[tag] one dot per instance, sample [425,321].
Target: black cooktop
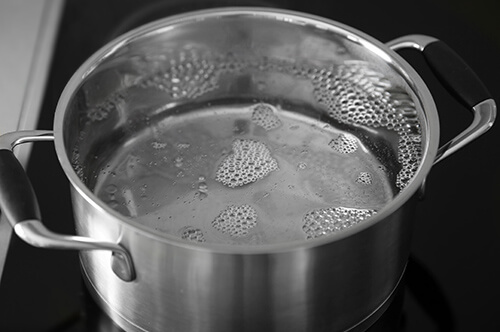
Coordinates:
[452,279]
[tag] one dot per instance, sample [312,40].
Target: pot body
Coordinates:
[331,287]
[327,284]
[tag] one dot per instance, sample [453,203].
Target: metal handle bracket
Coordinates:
[460,81]
[19,203]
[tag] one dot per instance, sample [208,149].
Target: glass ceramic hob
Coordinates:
[451,281]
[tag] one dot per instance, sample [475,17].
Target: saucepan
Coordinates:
[245,169]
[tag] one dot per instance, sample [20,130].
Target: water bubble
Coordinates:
[409,155]
[250,161]
[322,222]
[344,144]
[183,146]
[364,178]
[201,195]
[264,115]
[187,75]
[302,166]
[179,162]
[202,186]
[236,220]
[158,145]
[192,234]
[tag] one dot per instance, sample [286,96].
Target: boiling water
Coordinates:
[244,174]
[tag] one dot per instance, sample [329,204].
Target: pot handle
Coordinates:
[461,82]
[19,204]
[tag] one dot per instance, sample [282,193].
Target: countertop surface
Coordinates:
[28,31]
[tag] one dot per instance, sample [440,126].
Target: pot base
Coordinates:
[376,321]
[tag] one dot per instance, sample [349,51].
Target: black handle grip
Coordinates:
[17,197]
[455,74]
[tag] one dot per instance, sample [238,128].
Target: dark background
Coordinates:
[454,273]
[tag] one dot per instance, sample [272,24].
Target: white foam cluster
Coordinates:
[187,75]
[344,144]
[409,155]
[249,161]
[364,178]
[264,115]
[193,234]
[236,220]
[357,95]
[322,222]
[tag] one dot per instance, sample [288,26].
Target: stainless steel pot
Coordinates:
[148,280]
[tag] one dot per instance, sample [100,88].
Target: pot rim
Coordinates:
[430,135]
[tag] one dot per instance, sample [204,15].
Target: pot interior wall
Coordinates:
[128,125]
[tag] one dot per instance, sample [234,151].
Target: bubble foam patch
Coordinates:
[192,234]
[322,222]
[357,95]
[236,220]
[344,144]
[250,161]
[364,178]
[264,115]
